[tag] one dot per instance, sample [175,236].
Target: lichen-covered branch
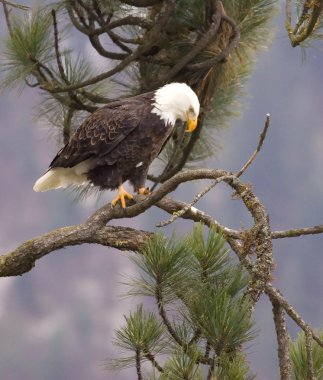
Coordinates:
[276,295]
[306,23]
[285,364]
[23,258]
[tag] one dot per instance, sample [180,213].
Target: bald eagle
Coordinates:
[119,141]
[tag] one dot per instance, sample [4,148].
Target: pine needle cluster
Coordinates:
[300,361]
[202,318]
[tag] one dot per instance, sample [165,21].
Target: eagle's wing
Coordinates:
[99,134]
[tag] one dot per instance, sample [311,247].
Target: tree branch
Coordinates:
[23,258]
[309,353]
[298,232]
[274,294]
[150,39]
[152,359]
[285,364]
[260,143]
[15,5]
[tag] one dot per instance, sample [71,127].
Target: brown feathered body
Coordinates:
[119,141]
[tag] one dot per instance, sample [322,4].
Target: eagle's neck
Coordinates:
[168,116]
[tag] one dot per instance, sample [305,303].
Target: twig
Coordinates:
[15,5]
[196,198]
[277,296]
[67,125]
[41,68]
[57,53]
[285,365]
[172,158]
[130,20]
[170,169]
[197,48]
[309,353]
[288,13]
[95,42]
[149,40]
[153,360]
[222,57]
[162,312]
[260,143]
[172,206]
[7,16]
[138,364]
[297,232]
[32,85]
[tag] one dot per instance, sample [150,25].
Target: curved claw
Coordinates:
[122,196]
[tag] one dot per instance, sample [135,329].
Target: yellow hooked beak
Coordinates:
[191,123]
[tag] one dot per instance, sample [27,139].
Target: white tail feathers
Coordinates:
[59,178]
[63,177]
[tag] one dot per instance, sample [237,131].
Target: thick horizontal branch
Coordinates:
[94,230]
[23,258]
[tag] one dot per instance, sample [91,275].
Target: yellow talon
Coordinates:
[143,191]
[123,194]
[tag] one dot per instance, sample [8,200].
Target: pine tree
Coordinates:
[205,286]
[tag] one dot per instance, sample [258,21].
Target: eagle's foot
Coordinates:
[122,196]
[143,191]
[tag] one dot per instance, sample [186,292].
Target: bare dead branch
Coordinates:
[172,206]
[298,232]
[260,143]
[196,198]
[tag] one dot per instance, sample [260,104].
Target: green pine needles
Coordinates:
[28,45]
[300,360]
[202,318]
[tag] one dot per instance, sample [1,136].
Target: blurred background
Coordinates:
[57,321]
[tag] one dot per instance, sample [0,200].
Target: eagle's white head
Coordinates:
[177,101]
